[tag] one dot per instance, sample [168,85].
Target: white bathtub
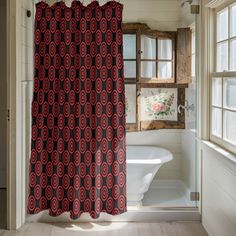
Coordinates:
[143,162]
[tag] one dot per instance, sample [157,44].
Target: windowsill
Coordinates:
[220,150]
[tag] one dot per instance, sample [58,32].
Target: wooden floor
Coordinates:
[110,229]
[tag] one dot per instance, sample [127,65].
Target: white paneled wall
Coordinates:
[169,139]
[218,191]
[188,165]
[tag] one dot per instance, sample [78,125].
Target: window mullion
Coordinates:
[229,61]
[157,58]
[222,108]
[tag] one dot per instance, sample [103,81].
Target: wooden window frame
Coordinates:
[221,141]
[140,29]
[159,35]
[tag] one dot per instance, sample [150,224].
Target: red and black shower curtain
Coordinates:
[77,161]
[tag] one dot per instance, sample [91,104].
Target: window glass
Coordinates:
[148,47]
[233,54]
[129,42]
[130,69]
[222,56]
[222,25]
[216,121]
[230,126]
[148,69]
[233,20]
[164,70]
[164,49]
[230,93]
[217,92]
[130,103]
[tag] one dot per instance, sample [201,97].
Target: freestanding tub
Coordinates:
[143,162]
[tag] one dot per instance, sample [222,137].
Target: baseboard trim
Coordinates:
[138,215]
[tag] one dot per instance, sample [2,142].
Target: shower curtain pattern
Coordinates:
[77,161]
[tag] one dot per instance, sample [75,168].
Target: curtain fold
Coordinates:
[78,153]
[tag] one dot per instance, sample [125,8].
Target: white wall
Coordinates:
[3,95]
[169,139]
[218,191]
[158,14]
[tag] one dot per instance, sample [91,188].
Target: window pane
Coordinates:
[148,69]
[230,93]
[130,103]
[233,21]
[222,56]
[164,70]
[130,69]
[217,92]
[129,42]
[164,49]
[233,55]
[230,126]
[222,25]
[148,47]
[216,121]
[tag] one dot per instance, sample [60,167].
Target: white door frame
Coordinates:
[15,161]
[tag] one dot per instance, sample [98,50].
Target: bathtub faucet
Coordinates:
[186,107]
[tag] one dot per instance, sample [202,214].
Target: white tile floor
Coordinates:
[168,197]
[108,229]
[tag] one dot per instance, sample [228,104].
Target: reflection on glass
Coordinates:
[222,57]
[232,21]
[129,42]
[217,92]
[233,55]
[164,70]
[222,25]
[230,93]
[148,47]
[193,70]
[130,69]
[148,69]
[164,49]
[230,126]
[193,42]
[216,121]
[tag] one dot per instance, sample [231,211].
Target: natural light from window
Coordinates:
[223,82]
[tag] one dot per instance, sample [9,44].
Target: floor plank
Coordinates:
[109,228]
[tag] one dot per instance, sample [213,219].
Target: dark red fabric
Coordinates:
[77,161]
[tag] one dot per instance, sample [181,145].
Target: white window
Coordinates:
[223,80]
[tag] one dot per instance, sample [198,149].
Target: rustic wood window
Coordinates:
[153,91]
[157,57]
